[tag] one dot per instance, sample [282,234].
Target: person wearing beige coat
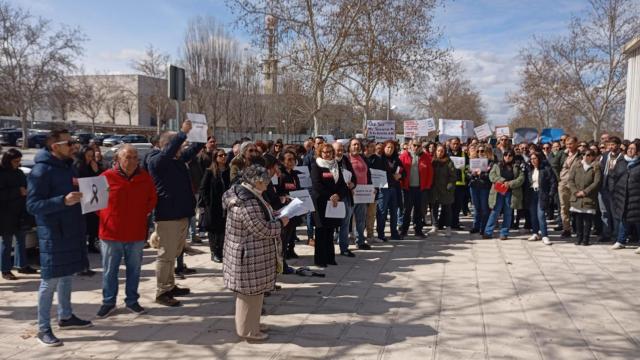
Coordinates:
[584,184]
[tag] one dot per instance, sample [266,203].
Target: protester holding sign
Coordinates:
[214,183]
[350,179]
[442,191]
[363,177]
[506,194]
[287,183]
[123,228]
[418,171]
[460,197]
[480,185]
[387,198]
[540,191]
[87,166]
[328,189]
[52,199]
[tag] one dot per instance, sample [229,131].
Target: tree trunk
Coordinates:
[93,125]
[25,130]
[129,119]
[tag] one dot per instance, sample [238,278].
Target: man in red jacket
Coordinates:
[123,228]
[416,183]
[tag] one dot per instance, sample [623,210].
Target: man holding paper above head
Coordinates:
[329,188]
[52,199]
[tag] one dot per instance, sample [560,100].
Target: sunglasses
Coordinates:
[508,155]
[481,151]
[221,155]
[68,143]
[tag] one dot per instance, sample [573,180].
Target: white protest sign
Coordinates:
[503,131]
[305,197]
[346,174]
[426,126]
[95,193]
[337,212]
[274,179]
[381,130]
[455,128]
[483,131]
[410,128]
[364,194]
[198,133]
[378,178]
[478,164]
[304,176]
[294,208]
[458,162]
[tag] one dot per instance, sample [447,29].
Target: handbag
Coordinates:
[501,187]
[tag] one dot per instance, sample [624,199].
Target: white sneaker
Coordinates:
[433,230]
[448,233]
[533,237]
[546,240]
[617,246]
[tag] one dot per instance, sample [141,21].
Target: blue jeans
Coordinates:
[343,233]
[112,254]
[20,252]
[536,213]
[623,230]
[192,227]
[45,299]
[387,202]
[503,202]
[310,226]
[400,200]
[360,212]
[480,200]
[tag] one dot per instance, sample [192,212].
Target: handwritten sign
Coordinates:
[462,129]
[426,126]
[381,130]
[95,193]
[410,128]
[305,197]
[458,162]
[364,194]
[378,178]
[198,133]
[304,176]
[483,131]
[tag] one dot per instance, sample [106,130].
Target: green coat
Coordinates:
[587,181]
[444,183]
[516,186]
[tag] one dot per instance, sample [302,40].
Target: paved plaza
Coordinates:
[437,298]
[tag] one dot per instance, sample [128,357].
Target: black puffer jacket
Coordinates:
[547,184]
[13,203]
[625,185]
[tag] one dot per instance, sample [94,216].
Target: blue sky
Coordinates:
[486,35]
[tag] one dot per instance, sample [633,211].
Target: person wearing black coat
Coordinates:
[624,184]
[288,181]
[87,166]
[214,183]
[540,191]
[328,189]
[13,215]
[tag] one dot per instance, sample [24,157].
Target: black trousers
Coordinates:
[216,243]
[583,227]
[413,202]
[460,198]
[324,251]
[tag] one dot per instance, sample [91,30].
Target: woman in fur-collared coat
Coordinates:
[251,256]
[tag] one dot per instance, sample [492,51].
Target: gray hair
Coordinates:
[244,146]
[165,138]
[255,173]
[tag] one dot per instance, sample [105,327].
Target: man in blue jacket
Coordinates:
[61,233]
[176,205]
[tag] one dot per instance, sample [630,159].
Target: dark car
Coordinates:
[83,138]
[35,140]
[134,139]
[8,137]
[112,140]
[99,138]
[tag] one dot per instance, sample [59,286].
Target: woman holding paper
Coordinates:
[479,184]
[442,190]
[87,166]
[387,197]
[288,182]
[540,191]
[329,188]
[506,193]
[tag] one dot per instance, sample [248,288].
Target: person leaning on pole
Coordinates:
[52,199]
[176,205]
[123,228]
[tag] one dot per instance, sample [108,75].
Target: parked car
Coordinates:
[112,140]
[130,139]
[9,136]
[35,140]
[83,138]
[143,149]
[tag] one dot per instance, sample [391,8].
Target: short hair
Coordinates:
[125,148]
[55,136]
[165,138]
[255,173]
[154,140]
[9,156]
[319,138]
[269,161]
[615,139]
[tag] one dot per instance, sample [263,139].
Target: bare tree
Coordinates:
[92,96]
[129,103]
[114,97]
[451,97]
[587,69]
[154,64]
[33,57]
[62,99]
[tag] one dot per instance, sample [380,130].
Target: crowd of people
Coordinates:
[180,191]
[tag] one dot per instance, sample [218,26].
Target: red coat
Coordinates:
[424,167]
[130,202]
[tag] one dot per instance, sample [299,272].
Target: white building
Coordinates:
[632,106]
